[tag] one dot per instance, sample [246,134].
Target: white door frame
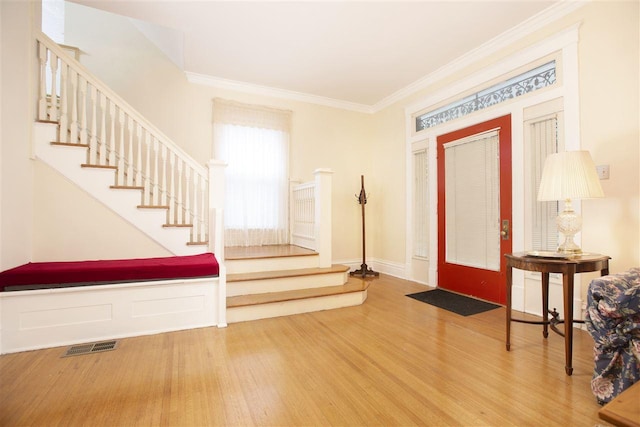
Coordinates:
[564,47]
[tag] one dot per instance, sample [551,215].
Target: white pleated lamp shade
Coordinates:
[569,175]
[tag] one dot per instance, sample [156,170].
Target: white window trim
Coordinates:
[563,44]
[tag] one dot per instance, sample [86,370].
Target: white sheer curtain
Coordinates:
[254,142]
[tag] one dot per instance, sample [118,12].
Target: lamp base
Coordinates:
[569,224]
[569,247]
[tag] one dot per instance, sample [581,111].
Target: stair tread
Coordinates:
[69,144]
[352,285]
[267,251]
[277,274]
[126,187]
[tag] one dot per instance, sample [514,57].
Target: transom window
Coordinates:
[535,79]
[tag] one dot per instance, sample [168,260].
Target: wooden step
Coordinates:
[275,304]
[352,285]
[285,280]
[266,251]
[278,274]
[269,258]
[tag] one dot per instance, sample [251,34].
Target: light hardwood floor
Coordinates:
[391,361]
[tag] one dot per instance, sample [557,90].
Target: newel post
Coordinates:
[216,205]
[323,215]
[216,232]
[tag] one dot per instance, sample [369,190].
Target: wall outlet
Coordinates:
[603,171]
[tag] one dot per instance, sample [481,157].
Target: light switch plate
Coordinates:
[603,171]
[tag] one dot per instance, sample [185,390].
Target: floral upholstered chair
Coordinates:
[613,320]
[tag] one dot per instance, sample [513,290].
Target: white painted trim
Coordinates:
[93,313]
[566,44]
[388,267]
[536,22]
[391,268]
[539,50]
[254,89]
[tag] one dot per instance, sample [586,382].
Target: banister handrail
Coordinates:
[131,111]
[91,114]
[311,225]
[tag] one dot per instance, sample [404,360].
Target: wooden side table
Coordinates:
[624,409]
[568,267]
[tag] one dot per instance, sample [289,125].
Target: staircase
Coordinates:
[93,137]
[90,135]
[70,160]
[272,281]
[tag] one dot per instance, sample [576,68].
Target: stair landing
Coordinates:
[268,258]
[265,292]
[267,251]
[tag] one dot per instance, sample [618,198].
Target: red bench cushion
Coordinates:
[36,275]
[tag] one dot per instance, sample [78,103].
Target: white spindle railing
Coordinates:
[303,215]
[90,114]
[311,215]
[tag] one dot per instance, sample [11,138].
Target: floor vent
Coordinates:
[94,347]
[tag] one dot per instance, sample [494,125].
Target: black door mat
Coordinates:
[459,304]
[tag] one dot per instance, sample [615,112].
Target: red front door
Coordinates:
[474,209]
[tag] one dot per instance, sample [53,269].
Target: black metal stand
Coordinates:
[364,271]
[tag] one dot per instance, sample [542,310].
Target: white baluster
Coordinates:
[195,209]
[42,93]
[146,198]
[53,101]
[112,135]
[180,207]
[172,188]
[204,227]
[83,111]
[156,190]
[188,210]
[102,143]
[138,178]
[129,159]
[163,162]
[93,141]
[64,113]
[73,100]
[120,155]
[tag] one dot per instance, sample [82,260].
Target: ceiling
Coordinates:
[355,52]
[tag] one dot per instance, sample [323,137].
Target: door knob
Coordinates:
[505,229]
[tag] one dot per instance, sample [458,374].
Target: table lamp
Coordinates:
[569,175]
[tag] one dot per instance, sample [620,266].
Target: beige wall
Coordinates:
[609,74]
[609,90]
[354,143]
[16,185]
[71,225]
[322,137]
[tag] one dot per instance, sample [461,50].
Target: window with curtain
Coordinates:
[254,142]
[543,135]
[543,141]
[420,204]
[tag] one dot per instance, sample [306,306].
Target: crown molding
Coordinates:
[276,93]
[536,22]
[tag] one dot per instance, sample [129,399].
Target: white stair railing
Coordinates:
[117,136]
[311,215]
[303,215]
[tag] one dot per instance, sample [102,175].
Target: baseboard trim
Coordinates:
[381,266]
